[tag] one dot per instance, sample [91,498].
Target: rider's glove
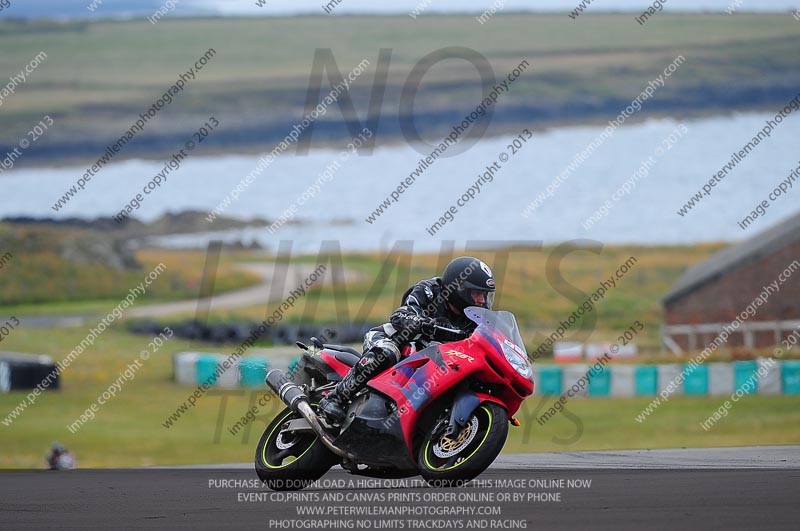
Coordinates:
[428,327]
[413,322]
[445,336]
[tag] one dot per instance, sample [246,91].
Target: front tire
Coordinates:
[290,461]
[449,461]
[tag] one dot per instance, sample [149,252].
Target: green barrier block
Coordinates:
[206,368]
[549,381]
[253,371]
[600,382]
[696,380]
[743,373]
[293,365]
[646,378]
[790,377]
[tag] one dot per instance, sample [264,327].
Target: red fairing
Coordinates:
[420,379]
[340,368]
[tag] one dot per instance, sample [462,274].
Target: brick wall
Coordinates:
[722,299]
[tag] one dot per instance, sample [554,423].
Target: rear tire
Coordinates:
[288,461]
[451,461]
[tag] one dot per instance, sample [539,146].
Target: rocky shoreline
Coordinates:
[102,240]
[332,134]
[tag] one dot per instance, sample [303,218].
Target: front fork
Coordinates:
[465,402]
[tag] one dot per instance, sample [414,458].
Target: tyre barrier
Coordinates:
[233,333]
[763,376]
[25,371]
[196,368]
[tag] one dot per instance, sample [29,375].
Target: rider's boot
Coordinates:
[333,405]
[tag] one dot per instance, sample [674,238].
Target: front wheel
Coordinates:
[290,461]
[449,460]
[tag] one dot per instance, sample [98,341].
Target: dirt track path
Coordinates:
[277,281]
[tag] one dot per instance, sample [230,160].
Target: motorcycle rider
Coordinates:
[466,281]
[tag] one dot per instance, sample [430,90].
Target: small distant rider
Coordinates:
[439,301]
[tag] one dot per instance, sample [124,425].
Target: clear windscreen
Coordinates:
[501,321]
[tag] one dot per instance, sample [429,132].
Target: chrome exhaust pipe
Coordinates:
[294,397]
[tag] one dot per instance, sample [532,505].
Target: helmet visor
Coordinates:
[479,297]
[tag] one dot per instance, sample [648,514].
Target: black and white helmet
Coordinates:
[467,282]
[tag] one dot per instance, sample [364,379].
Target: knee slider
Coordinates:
[381,356]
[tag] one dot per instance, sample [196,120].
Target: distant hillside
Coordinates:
[99,76]
[61,9]
[119,8]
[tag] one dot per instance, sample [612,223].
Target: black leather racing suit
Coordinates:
[422,301]
[410,323]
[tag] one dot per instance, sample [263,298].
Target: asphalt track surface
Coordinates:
[730,488]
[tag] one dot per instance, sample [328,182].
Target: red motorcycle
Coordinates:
[442,412]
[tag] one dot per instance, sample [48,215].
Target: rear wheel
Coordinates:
[452,459]
[288,460]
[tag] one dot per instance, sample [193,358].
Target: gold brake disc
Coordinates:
[448,446]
